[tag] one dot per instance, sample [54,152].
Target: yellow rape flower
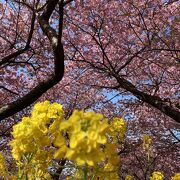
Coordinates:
[33,132]
[40,107]
[55,111]
[82,138]
[84,154]
[147,142]
[118,127]
[176,177]
[33,138]
[157,176]
[86,131]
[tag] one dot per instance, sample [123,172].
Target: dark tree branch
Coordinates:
[67,2]
[155,101]
[27,46]
[130,59]
[164,49]
[58,51]
[2,87]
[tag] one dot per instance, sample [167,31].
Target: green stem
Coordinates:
[85,172]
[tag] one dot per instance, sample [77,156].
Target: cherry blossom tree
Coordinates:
[130,45]
[113,56]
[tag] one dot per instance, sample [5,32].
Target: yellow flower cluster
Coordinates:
[115,131]
[86,132]
[88,139]
[83,138]
[157,176]
[147,142]
[109,169]
[33,137]
[88,142]
[118,128]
